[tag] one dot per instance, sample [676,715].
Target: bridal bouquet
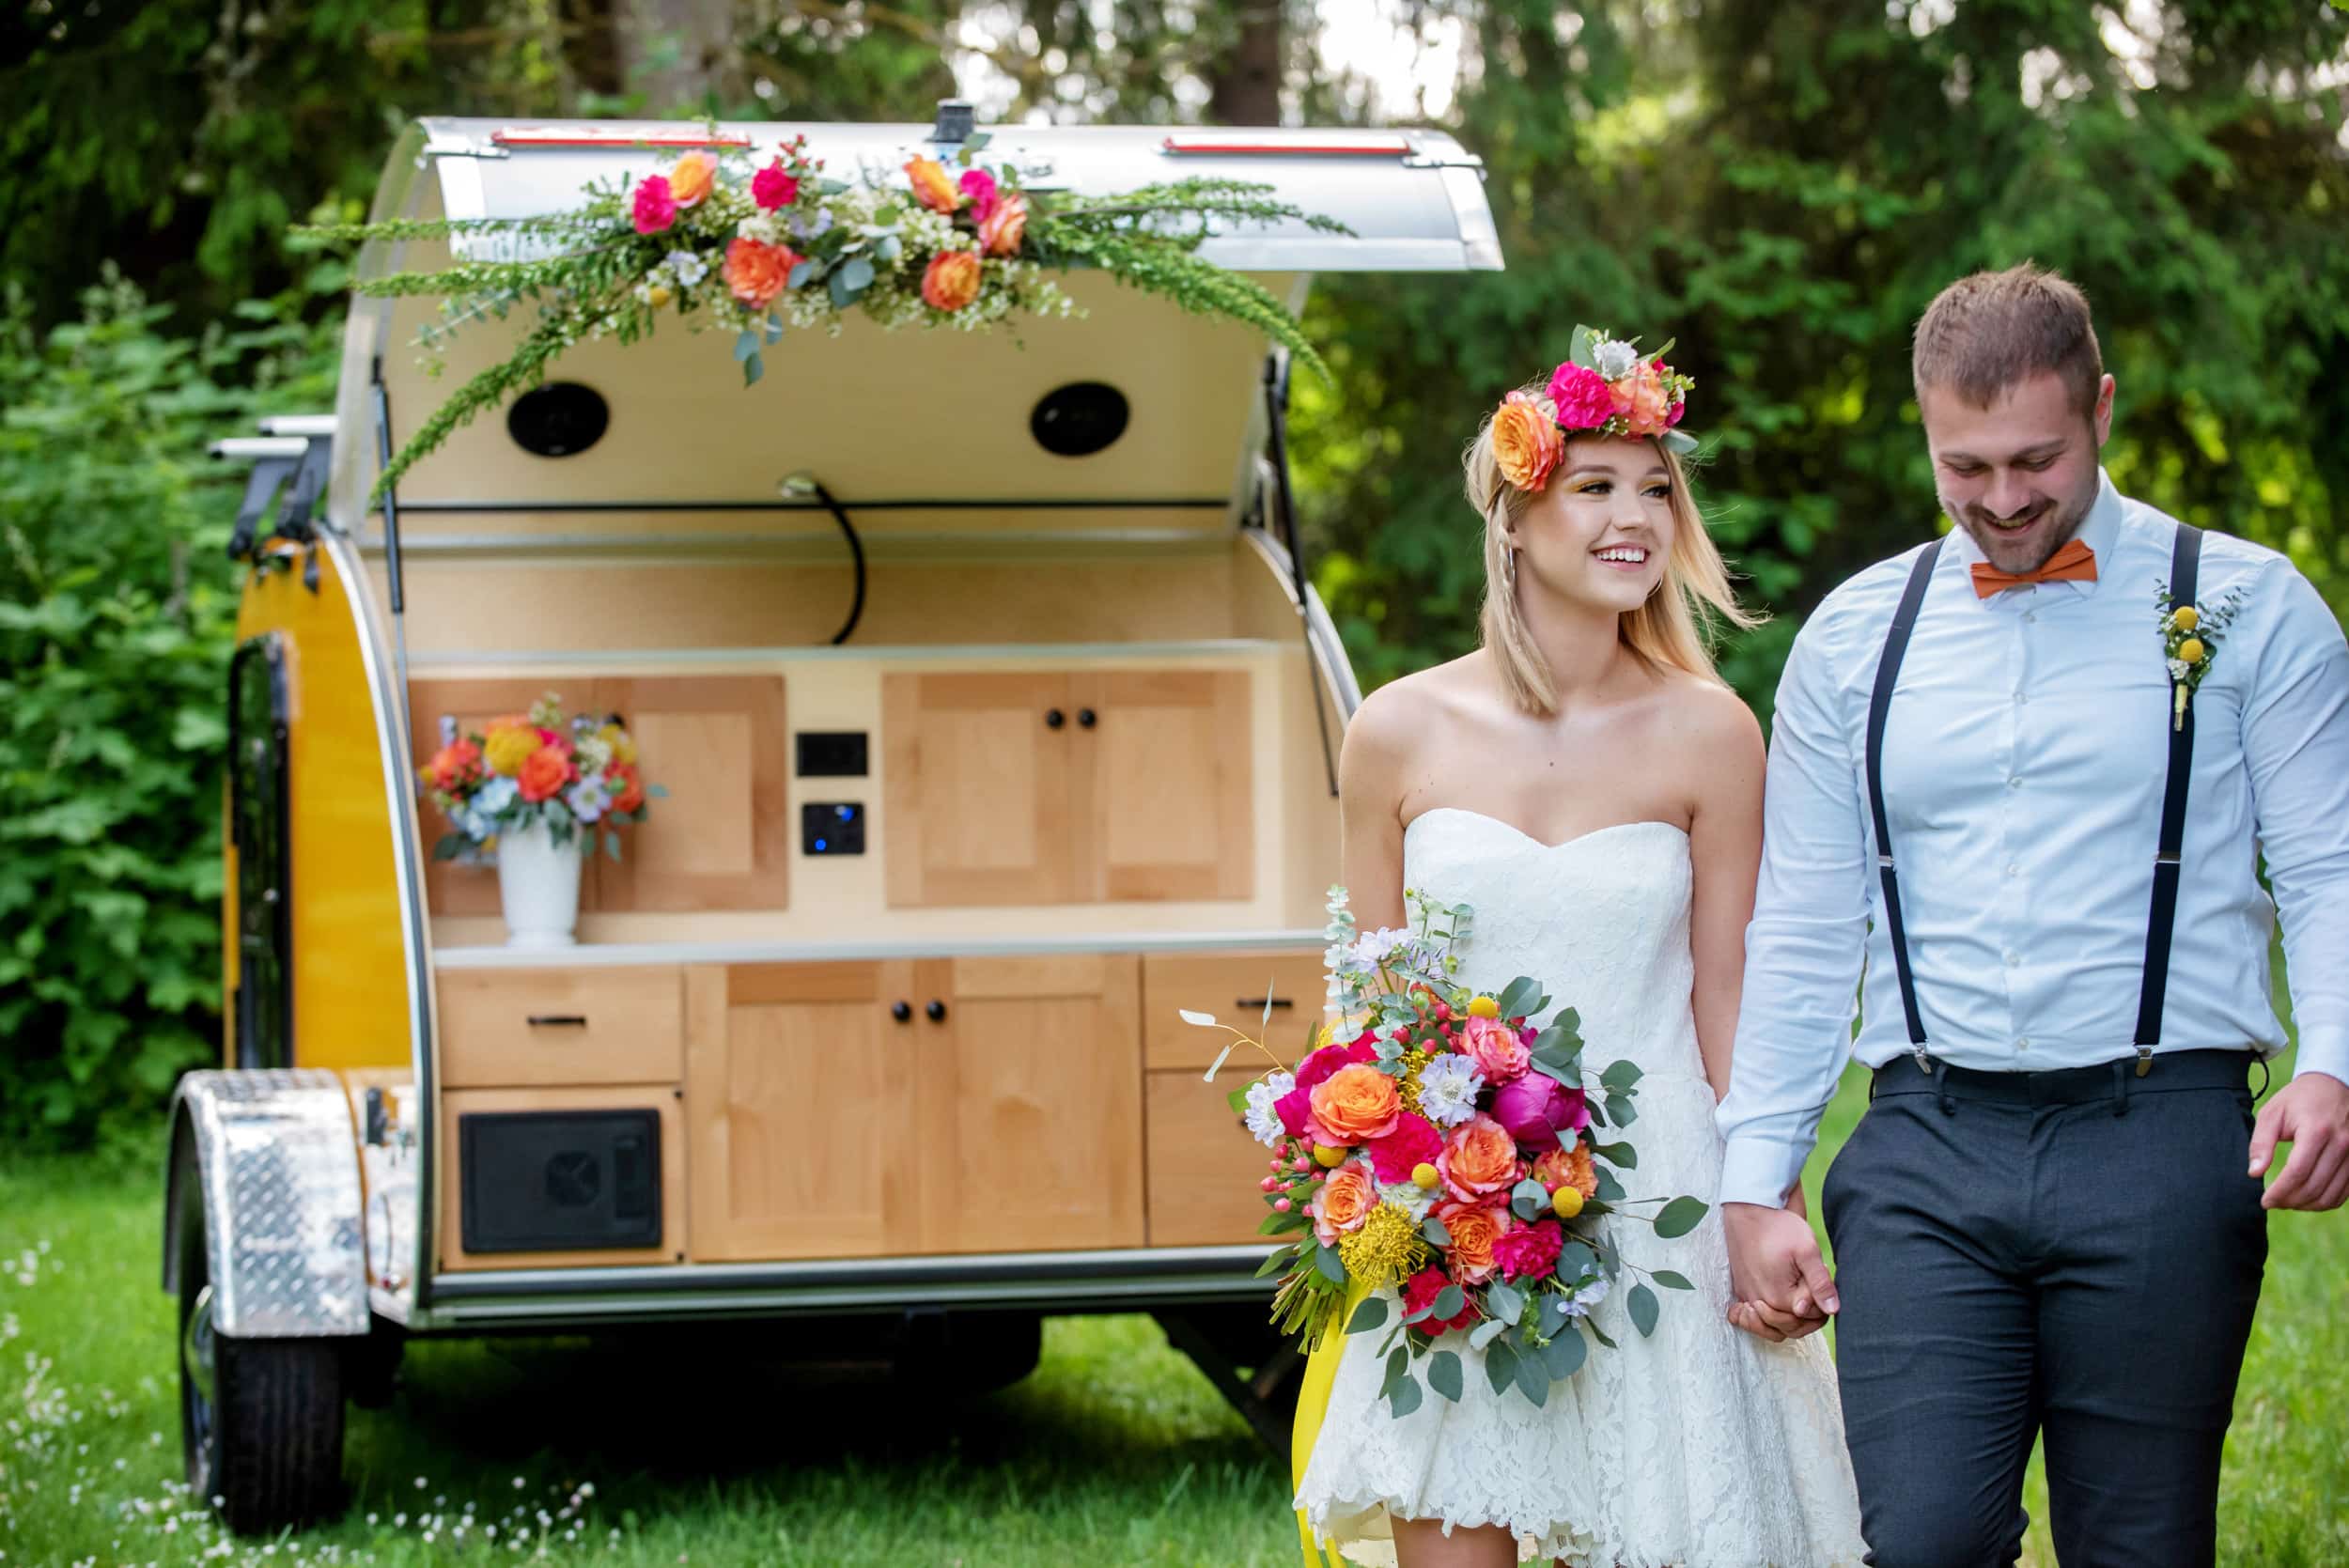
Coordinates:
[576,777]
[1438,1143]
[757,240]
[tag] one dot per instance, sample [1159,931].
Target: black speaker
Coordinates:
[540,1181]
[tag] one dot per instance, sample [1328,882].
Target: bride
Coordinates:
[1587,783]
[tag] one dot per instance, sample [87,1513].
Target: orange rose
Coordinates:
[1479,1159]
[1341,1204]
[757,272]
[630,795]
[1353,1105]
[1001,232]
[933,187]
[952,280]
[1475,1228]
[459,762]
[1568,1167]
[1641,399]
[547,772]
[1526,442]
[691,180]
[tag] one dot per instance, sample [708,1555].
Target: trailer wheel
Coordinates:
[260,1420]
[968,1354]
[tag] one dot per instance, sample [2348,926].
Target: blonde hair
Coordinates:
[1669,632]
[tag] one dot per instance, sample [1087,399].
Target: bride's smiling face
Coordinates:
[1599,532]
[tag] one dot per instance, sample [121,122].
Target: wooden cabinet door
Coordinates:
[1030,1088]
[721,839]
[975,800]
[1164,786]
[800,1096]
[1204,1166]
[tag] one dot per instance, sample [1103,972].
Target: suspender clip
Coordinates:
[2144,1060]
[1884,862]
[1924,1063]
[2168,857]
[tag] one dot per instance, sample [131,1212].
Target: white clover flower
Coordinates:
[1264,1122]
[759,227]
[1616,359]
[1447,1089]
[687,267]
[2178,669]
[1411,1198]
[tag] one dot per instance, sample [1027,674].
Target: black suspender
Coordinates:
[2184,562]
[2185,559]
[1879,705]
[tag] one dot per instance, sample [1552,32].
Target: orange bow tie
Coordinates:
[2073,562]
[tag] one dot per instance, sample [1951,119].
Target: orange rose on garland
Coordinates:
[951,281]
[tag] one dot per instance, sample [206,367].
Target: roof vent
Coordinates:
[954,115]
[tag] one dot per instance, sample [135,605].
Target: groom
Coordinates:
[2034,807]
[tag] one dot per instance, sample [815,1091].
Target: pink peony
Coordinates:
[1584,400]
[1529,1251]
[979,186]
[656,205]
[1413,1143]
[1536,1107]
[1329,1059]
[1499,1052]
[772,188]
[1294,1108]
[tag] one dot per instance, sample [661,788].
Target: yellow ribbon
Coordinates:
[1313,1402]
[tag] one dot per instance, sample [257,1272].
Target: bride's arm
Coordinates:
[1370,791]
[1725,850]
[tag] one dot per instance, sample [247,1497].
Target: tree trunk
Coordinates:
[591,47]
[678,54]
[1244,84]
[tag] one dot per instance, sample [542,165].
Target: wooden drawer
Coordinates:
[1204,1168]
[561,1027]
[1231,986]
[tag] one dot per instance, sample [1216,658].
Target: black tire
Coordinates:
[260,1420]
[968,1354]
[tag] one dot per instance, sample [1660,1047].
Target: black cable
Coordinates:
[856,550]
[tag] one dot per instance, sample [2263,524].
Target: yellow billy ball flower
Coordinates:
[1385,1250]
[1329,1158]
[2192,650]
[1567,1200]
[1483,1007]
[2185,617]
[507,747]
[1424,1176]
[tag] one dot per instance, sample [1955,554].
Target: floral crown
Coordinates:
[1607,387]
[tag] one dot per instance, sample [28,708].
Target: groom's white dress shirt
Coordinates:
[2024,761]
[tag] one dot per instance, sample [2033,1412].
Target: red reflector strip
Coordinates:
[615,139]
[1392,147]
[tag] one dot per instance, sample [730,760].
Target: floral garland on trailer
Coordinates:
[1437,1161]
[760,250]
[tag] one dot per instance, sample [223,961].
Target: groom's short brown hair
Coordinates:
[1985,333]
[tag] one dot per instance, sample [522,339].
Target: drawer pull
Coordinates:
[901,1010]
[1259,1003]
[936,1010]
[558,1020]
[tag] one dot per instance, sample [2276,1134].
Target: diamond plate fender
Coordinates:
[278,1160]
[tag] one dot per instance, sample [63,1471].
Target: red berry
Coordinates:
[1282,1205]
[1269,1183]
[1302,1162]
[1443,1010]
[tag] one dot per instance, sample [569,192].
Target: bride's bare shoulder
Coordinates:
[1708,723]
[1410,706]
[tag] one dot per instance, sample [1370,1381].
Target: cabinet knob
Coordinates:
[1055,719]
[900,1011]
[1084,718]
[936,1010]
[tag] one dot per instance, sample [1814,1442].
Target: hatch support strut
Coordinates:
[1276,399]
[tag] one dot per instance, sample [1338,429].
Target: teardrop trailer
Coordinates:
[998,720]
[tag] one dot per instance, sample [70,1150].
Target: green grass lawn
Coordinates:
[1116,1450]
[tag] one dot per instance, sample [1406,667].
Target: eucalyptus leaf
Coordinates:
[773,330]
[1671,1281]
[1563,1356]
[1500,1366]
[1443,1375]
[1533,1379]
[1448,1302]
[887,215]
[1599,1334]
[1642,1305]
[1575,1260]
[1621,1111]
[745,345]
[857,273]
[1485,1333]
[1680,442]
[1553,1314]
[1585,348]
[1433,1230]
[1404,1397]
[1610,1189]
[803,272]
[1622,1155]
[1679,1216]
[1505,1301]
[1371,1315]
[1326,1260]
[1517,999]
[752,368]
[1528,1197]
[1598,1115]
[1620,1076]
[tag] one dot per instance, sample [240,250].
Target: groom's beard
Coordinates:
[2031,548]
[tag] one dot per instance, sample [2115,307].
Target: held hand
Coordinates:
[1781,1284]
[2311,1113]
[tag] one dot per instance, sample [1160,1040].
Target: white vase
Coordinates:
[538,885]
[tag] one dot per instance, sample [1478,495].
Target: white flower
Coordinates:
[1374,947]
[495,795]
[807,225]
[1411,1198]
[1447,1089]
[1262,1121]
[688,268]
[1616,359]
[594,753]
[589,798]
[2178,669]
[759,227]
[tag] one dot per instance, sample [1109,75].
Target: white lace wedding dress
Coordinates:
[1700,1447]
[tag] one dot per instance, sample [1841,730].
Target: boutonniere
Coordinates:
[2191,635]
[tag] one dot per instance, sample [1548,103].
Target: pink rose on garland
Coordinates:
[1001,231]
[1581,393]
[1413,1143]
[772,188]
[979,186]
[1499,1052]
[656,205]
[1536,1107]
[1529,1251]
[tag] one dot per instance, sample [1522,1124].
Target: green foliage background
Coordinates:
[1780,188]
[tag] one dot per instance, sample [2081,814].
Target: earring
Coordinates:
[1509,566]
